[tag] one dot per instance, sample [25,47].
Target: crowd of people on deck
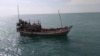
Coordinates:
[27,26]
[35,27]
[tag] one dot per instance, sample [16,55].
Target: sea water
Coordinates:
[82,40]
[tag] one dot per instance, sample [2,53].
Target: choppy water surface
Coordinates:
[82,40]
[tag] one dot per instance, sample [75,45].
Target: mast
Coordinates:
[18,11]
[60,18]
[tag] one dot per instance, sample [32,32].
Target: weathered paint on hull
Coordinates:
[55,34]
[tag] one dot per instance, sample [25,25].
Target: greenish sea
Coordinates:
[82,40]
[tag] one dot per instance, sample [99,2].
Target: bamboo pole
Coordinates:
[60,18]
[18,11]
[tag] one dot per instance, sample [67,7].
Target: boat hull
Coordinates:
[58,33]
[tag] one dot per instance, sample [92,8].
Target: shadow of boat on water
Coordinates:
[40,45]
[26,39]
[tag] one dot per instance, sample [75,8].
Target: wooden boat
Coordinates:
[46,32]
[35,29]
[26,29]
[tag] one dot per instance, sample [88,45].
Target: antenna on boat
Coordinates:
[29,21]
[60,18]
[18,11]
